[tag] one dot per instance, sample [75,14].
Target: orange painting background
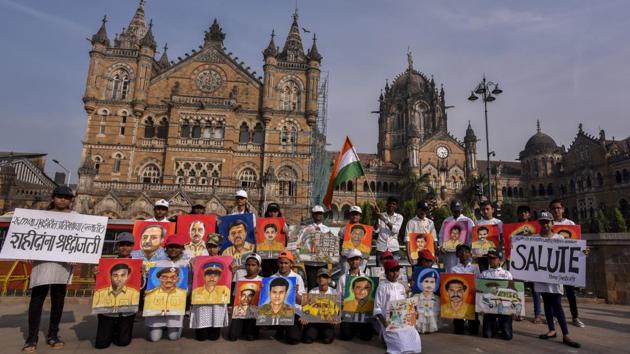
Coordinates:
[139,225]
[240,284]
[104,266]
[515,229]
[413,247]
[366,242]
[574,230]
[466,278]
[260,229]
[493,234]
[208,220]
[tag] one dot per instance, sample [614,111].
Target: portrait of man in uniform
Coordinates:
[169,297]
[246,300]
[149,237]
[483,244]
[118,296]
[455,297]
[360,298]
[196,227]
[211,292]
[196,232]
[277,311]
[358,236]
[237,236]
[269,241]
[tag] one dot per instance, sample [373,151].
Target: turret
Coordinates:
[214,37]
[470,148]
[312,75]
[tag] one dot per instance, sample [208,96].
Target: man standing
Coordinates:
[241,203]
[450,258]
[487,218]
[420,224]
[557,210]
[388,226]
[311,268]
[160,211]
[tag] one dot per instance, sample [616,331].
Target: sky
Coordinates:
[563,62]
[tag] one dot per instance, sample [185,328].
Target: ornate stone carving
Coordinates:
[209,80]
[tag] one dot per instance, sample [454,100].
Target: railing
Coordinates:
[206,101]
[218,143]
[249,147]
[152,142]
[122,52]
[137,186]
[289,65]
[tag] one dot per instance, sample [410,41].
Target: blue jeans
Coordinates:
[379,253]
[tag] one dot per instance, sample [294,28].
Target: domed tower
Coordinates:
[540,160]
[411,111]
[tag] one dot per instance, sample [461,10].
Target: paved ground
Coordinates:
[607,331]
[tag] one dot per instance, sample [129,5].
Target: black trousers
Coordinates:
[570,291]
[291,334]
[482,262]
[553,308]
[322,331]
[473,326]
[349,330]
[493,322]
[35,307]
[117,330]
[243,328]
[208,333]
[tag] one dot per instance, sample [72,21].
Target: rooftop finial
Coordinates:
[409,59]
[538,125]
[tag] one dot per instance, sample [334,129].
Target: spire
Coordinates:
[470,134]
[87,168]
[441,91]
[136,30]
[148,40]
[293,49]
[272,49]
[214,36]
[163,62]
[101,36]
[537,125]
[313,54]
[409,60]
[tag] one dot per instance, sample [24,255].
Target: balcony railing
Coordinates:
[157,187]
[249,147]
[152,142]
[218,143]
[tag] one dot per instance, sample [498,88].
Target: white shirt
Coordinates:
[329,291]
[321,227]
[243,277]
[165,219]
[496,273]
[493,221]
[387,291]
[554,288]
[422,226]
[564,221]
[466,268]
[388,239]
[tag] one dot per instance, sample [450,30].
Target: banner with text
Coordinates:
[53,236]
[549,260]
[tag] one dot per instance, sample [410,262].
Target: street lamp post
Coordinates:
[65,169]
[486,89]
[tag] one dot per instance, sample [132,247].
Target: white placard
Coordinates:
[546,260]
[53,236]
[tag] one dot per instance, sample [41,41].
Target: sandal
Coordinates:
[29,348]
[55,342]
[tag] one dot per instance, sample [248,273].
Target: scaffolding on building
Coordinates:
[320,160]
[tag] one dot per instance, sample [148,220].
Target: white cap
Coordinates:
[317,209]
[161,203]
[241,193]
[353,253]
[254,256]
[356,209]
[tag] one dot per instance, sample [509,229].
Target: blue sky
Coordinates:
[563,62]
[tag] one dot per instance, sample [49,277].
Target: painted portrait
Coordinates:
[277,302]
[500,297]
[150,235]
[569,232]
[117,286]
[212,279]
[426,286]
[529,228]
[455,234]
[419,242]
[457,296]
[320,308]
[484,239]
[358,296]
[270,237]
[314,246]
[196,227]
[357,236]
[238,235]
[246,299]
[166,290]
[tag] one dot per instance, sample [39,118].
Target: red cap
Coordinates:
[176,239]
[387,254]
[426,254]
[288,255]
[391,264]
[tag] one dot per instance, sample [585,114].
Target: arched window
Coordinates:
[151,174]
[287,182]
[243,136]
[373,186]
[618,177]
[215,178]
[366,187]
[335,212]
[379,187]
[385,187]
[549,189]
[541,190]
[103,124]
[207,132]
[626,176]
[350,186]
[521,194]
[185,129]
[504,191]
[123,121]
[162,130]
[563,189]
[149,128]
[97,164]
[247,178]
[217,131]
[117,161]
[290,97]
[600,179]
[196,130]
[259,134]
[288,136]
[589,183]
[391,187]
[120,85]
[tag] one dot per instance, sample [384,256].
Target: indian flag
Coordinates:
[347,167]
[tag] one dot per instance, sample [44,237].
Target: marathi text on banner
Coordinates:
[54,236]
[546,260]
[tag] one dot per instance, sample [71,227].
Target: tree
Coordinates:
[618,221]
[599,223]
[416,187]
[508,213]
[439,214]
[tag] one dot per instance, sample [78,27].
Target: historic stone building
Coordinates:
[23,182]
[196,129]
[413,138]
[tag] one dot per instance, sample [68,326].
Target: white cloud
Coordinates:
[58,21]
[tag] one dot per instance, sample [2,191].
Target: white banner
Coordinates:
[545,260]
[53,236]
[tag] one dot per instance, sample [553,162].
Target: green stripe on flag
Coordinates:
[349,172]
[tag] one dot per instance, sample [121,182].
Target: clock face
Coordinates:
[442,152]
[209,80]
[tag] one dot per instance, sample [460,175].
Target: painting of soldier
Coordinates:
[455,234]
[212,280]
[457,296]
[238,235]
[117,286]
[196,227]
[358,298]
[270,237]
[246,299]
[357,236]
[426,284]
[528,228]
[277,302]
[419,242]
[485,238]
[166,291]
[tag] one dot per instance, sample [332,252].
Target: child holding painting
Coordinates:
[491,321]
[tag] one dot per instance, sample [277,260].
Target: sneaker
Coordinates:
[578,323]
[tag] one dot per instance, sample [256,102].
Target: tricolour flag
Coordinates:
[347,167]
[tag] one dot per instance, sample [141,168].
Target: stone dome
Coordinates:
[410,83]
[539,143]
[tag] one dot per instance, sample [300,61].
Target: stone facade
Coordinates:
[196,129]
[23,182]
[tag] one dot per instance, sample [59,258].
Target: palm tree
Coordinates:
[416,187]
